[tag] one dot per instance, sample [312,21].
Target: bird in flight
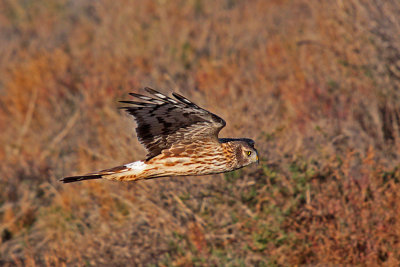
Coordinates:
[181,139]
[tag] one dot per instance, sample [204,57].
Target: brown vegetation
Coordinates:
[315,83]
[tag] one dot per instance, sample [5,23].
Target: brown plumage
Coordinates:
[181,139]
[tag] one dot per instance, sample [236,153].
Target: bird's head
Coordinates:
[245,152]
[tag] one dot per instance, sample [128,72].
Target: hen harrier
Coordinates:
[181,139]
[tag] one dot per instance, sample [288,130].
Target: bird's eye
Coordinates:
[248,153]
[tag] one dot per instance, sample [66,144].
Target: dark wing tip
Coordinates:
[142,104]
[142,97]
[136,95]
[185,100]
[151,90]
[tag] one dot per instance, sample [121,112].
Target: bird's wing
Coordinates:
[163,121]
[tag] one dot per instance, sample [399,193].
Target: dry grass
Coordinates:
[315,83]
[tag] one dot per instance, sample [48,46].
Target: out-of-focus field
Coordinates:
[315,83]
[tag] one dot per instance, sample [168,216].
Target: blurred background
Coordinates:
[314,83]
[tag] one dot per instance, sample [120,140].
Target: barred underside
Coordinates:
[200,158]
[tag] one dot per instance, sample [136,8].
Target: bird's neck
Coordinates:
[229,150]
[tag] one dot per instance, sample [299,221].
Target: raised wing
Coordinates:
[163,121]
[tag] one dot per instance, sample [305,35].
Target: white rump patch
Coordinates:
[137,165]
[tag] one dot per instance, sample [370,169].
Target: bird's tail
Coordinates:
[127,172]
[78,178]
